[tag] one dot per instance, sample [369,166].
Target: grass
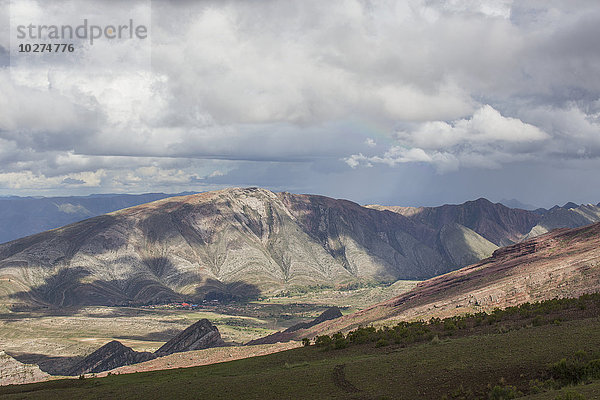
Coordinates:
[424,371]
[351,299]
[587,391]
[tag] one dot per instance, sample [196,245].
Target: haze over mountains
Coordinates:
[242,242]
[23,216]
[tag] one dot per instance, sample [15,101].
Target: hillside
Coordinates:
[228,244]
[563,263]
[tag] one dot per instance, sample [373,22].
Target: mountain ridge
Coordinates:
[242,242]
[228,243]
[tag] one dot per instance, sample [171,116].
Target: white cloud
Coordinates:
[486,139]
[455,83]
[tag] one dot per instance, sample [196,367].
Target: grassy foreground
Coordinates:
[429,370]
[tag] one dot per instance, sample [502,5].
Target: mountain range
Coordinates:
[243,242]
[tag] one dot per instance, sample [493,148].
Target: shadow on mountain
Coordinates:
[49,364]
[166,273]
[213,290]
[69,291]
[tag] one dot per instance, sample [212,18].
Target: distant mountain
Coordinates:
[232,243]
[570,215]
[495,222]
[24,216]
[562,263]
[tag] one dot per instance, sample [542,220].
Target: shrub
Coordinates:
[504,393]
[568,373]
[570,396]
[339,341]
[323,341]
[449,325]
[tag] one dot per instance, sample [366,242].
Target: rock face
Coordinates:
[13,372]
[112,355]
[287,335]
[237,243]
[201,335]
[562,263]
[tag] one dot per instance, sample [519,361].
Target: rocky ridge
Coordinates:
[200,335]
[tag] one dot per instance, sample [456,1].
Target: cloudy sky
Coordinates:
[417,102]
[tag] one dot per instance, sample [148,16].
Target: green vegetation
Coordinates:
[474,362]
[542,313]
[351,296]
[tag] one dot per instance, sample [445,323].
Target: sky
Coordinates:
[417,102]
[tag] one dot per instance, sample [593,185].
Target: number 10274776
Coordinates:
[46,48]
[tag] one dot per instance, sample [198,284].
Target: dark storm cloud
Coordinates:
[410,101]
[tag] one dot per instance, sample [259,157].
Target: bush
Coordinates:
[323,341]
[570,396]
[504,393]
[568,373]
[339,341]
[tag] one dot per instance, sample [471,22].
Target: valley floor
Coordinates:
[55,339]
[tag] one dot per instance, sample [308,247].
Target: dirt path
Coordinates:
[339,379]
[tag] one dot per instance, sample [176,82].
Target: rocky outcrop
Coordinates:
[13,372]
[287,335]
[112,355]
[201,335]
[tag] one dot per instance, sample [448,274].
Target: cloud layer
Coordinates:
[222,91]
